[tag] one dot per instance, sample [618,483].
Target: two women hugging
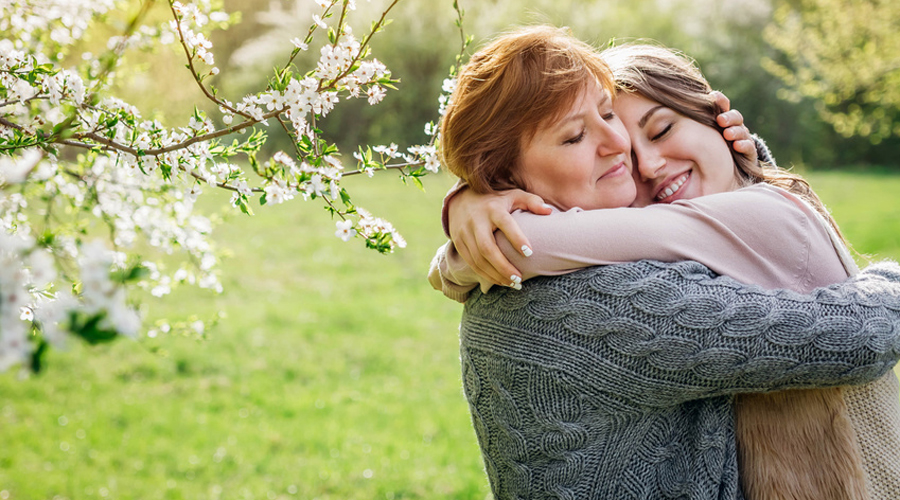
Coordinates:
[678,317]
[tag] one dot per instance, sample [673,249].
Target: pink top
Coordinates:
[760,234]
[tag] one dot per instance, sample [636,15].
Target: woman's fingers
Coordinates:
[492,259]
[508,226]
[477,246]
[721,100]
[496,266]
[472,256]
[522,200]
[730,119]
[474,218]
[746,147]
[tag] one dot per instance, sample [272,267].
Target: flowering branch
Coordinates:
[140,179]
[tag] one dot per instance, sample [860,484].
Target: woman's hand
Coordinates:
[473,218]
[732,122]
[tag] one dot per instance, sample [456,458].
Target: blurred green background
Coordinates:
[335,373]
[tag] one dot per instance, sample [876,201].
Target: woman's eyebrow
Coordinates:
[648,114]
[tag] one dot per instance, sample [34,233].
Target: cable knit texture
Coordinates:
[618,381]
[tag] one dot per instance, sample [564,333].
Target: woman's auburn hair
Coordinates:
[505,93]
[673,79]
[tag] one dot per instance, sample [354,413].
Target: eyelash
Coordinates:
[661,134]
[576,139]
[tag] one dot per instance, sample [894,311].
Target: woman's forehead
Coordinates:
[589,94]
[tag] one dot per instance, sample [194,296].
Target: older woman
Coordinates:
[533,111]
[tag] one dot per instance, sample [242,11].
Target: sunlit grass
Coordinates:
[866,205]
[334,376]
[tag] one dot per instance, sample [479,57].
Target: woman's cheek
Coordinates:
[642,190]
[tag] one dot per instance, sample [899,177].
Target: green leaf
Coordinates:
[345,197]
[243,204]
[87,326]
[37,357]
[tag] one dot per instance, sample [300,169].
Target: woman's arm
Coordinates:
[655,334]
[761,235]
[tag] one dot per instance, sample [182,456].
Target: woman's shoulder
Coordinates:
[777,194]
[761,193]
[754,204]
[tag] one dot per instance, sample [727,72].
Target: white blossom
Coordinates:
[345,229]
[277,192]
[16,170]
[26,313]
[376,94]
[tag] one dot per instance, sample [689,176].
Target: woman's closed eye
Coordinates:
[576,139]
[662,133]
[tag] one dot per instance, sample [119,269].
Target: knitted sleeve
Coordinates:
[650,334]
[763,154]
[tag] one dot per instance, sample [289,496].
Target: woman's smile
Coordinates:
[618,169]
[668,191]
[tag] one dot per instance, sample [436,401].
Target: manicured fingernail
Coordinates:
[548,207]
[516,279]
[515,286]
[526,251]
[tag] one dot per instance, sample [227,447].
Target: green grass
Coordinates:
[334,376]
[866,205]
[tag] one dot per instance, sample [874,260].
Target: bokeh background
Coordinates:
[333,373]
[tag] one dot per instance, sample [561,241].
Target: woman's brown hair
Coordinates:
[674,80]
[519,82]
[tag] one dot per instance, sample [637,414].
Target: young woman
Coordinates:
[579,157]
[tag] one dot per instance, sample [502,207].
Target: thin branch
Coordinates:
[291,136]
[396,166]
[362,48]
[190,59]
[7,123]
[119,49]
[23,101]
[307,40]
[181,145]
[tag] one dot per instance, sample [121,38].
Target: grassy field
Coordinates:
[334,376]
[866,205]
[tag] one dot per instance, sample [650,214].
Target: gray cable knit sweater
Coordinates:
[616,382]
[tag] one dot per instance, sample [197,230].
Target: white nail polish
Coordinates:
[526,251]
[515,279]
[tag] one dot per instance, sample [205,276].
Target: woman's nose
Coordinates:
[648,163]
[613,141]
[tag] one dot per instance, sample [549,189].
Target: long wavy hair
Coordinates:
[672,79]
